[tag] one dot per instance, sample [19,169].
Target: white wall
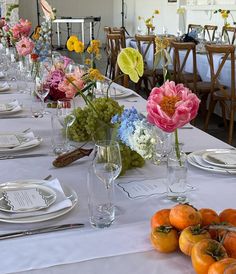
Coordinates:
[75,9]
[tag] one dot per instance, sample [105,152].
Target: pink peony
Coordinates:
[69,89]
[171,106]
[25,46]
[22,28]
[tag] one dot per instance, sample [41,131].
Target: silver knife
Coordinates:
[5,157]
[39,231]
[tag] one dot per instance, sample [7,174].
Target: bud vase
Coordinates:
[177,174]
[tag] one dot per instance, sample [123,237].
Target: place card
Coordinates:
[24,199]
[143,188]
[9,140]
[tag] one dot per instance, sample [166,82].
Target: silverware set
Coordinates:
[18,156]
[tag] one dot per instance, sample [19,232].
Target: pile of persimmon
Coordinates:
[209,238]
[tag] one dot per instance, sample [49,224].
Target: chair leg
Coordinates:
[222,104]
[231,127]
[210,111]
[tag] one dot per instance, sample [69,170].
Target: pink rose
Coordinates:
[22,28]
[25,46]
[171,106]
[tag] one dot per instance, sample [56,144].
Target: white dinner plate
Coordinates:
[225,159]
[206,166]
[47,193]
[4,87]
[121,94]
[11,108]
[69,193]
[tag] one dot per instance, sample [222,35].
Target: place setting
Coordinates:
[214,160]
[31,201]
[10,107]
[17,141]
[4,86]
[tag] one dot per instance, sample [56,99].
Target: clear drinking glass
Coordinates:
[107,167]
[65,114]
[42,89]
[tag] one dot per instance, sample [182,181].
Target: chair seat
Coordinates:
[219,95]
[202,87]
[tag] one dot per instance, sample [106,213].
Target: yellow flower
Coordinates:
[224,14]
[70,42]
[95,43]
[156,12]
[130,62]
[95,75]
[78,46]
[139,18]
[161,44]
[181,10]
[87,61]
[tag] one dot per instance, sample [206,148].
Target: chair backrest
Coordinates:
[120,31]
[228,55]
[193,26]
[144,44]
[209,31]
[115,46]
[229,34]
[183,51]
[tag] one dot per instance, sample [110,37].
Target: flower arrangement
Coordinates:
[170,107]
[135,132]
[225,15]
[149,21]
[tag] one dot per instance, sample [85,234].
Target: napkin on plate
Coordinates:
[4,86]
[61,202]
[17,140]
[9,107]
[224,158]
[1,75]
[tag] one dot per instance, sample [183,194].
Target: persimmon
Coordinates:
[228,215]
[165,239]
[229,242]
[160,218]
[205,253]
[184,215]
[230,269]
[220,266]
[190,236]
[209,216]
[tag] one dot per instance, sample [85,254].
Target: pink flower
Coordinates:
[25,46]
[22,28]
[171,106]
[71,89]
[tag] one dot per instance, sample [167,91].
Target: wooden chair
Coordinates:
[115,44]
[193,26]
[225,96]
[183,51]
[229,34]
[120,31]
[209,31]
[146,43]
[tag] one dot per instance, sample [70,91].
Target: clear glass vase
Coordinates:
[177,174]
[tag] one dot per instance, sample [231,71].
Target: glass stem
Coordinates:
[66,138]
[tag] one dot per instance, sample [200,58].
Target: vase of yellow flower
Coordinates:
[149,22]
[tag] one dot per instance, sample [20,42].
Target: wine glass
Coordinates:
[66,117]
[42,88]
[107,161]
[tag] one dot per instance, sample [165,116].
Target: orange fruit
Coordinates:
[161,217]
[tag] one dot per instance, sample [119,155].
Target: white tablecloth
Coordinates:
[125,246]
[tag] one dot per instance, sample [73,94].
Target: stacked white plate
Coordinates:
[214,160]
[30,201]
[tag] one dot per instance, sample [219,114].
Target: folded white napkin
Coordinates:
[13,140]
[12,106]
[61,202]
[1,75]
[224,158]
[4,86]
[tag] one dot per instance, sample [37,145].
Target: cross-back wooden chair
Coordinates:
[115,43]
[229,34]
[120,31]
[209,32]
[225,96]
[193,26]
[145,45]
[183,51]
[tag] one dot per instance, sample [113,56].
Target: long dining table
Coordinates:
[124,247]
